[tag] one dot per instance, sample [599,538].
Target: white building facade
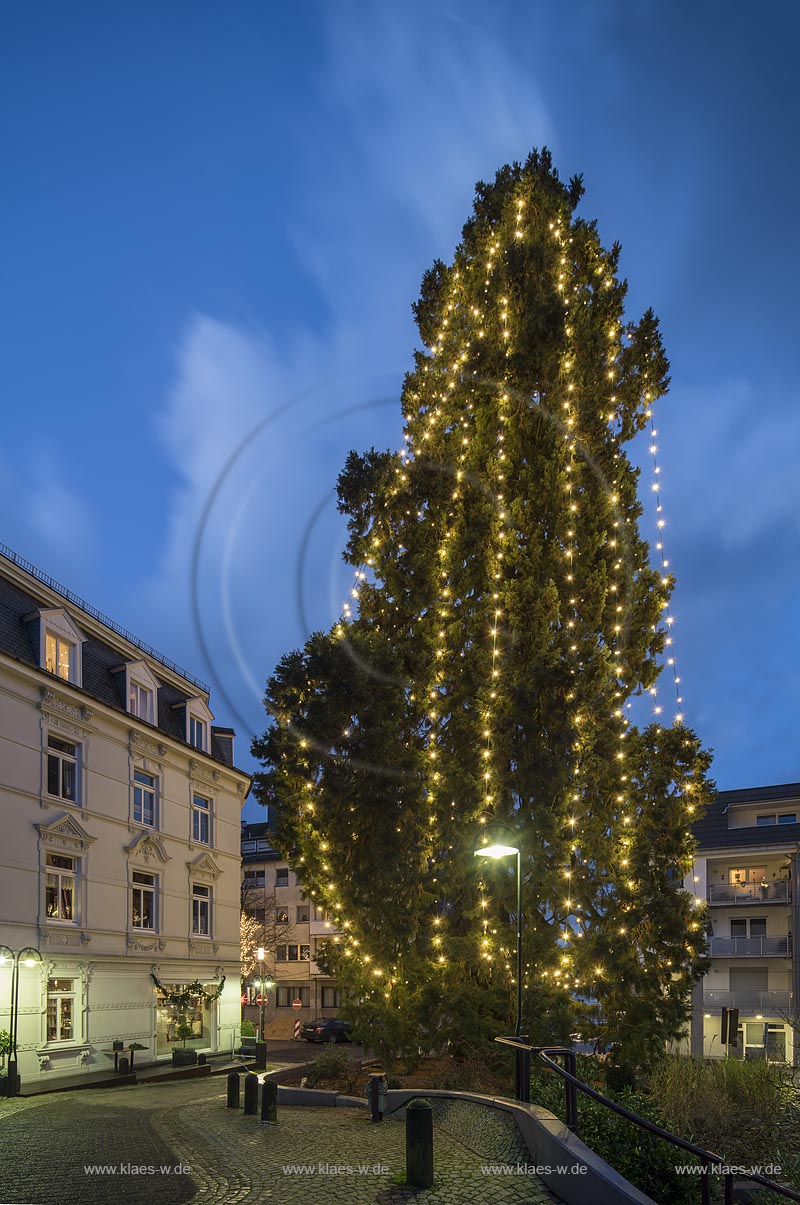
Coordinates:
[747,870]
[120,858]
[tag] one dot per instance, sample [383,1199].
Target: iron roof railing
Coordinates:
[77,601]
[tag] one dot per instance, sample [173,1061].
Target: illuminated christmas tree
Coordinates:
[505,616]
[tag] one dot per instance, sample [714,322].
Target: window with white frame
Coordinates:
[282,876]
[201,910]
[302,914]
[145,798]
[60,1010]
[59,656]
[62,768]
[141,702]
[143,900]
[198,733]
[60,888]
[201,820]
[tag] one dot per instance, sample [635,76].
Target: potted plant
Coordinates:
[5,1047]
[181,1057]
[248,1038]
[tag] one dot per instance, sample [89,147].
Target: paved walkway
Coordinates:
[202,1152]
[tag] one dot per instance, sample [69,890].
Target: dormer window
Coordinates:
[139,689]
[195,719]
[59,642]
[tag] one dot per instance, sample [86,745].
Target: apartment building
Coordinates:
[120,862]
[292,931]
[746,870]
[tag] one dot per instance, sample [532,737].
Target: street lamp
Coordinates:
[28,957]
[506,851]
[260,958]
[522,1058]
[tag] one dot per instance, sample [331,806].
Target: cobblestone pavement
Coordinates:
[47,1143]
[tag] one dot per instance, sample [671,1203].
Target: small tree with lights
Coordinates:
[506,614]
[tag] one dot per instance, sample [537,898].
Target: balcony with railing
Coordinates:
[749,1001]
[750,947]
[777,891]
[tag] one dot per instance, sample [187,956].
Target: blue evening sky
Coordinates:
[215,218]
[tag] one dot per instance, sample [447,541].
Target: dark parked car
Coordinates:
[326,1029]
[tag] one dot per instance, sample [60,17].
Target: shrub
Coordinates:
[333,1065]
[248,1029]
[5,1045]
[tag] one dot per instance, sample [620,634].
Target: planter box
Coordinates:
[183,1058]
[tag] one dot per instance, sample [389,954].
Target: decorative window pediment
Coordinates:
[148,847]
[66,833]
[204,867]
[58,642]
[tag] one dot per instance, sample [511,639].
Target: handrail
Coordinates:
[707,1158]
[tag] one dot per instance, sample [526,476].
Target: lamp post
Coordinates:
[260,957]
[522,1088]
[29,957]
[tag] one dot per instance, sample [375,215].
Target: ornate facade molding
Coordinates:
[145,945]
[203,773]
[58,703]
[147,846]
[204,867]
[141,747]
[203,947]
[52,938]
[65,833]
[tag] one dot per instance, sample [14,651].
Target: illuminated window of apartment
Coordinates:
[201,910]
[60,1010]
[60,888]
[143,900]
[62,768]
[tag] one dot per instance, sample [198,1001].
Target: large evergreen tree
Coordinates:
[505,614]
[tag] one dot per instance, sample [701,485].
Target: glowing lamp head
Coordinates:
[496,851]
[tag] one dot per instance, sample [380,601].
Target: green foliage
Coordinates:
[646,1161]
[248,1029]
[333,1065]
[183,1030]
[190,994]
[506,613]
[5,1045]
[747,1112]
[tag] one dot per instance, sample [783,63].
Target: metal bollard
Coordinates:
[419,1144]
[251,1094]
[124,1065]
[376,1095]
[269,1103]
[261,1056]
[233,1090]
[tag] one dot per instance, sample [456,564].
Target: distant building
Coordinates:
[292,931]
[120,809]
[747,869]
